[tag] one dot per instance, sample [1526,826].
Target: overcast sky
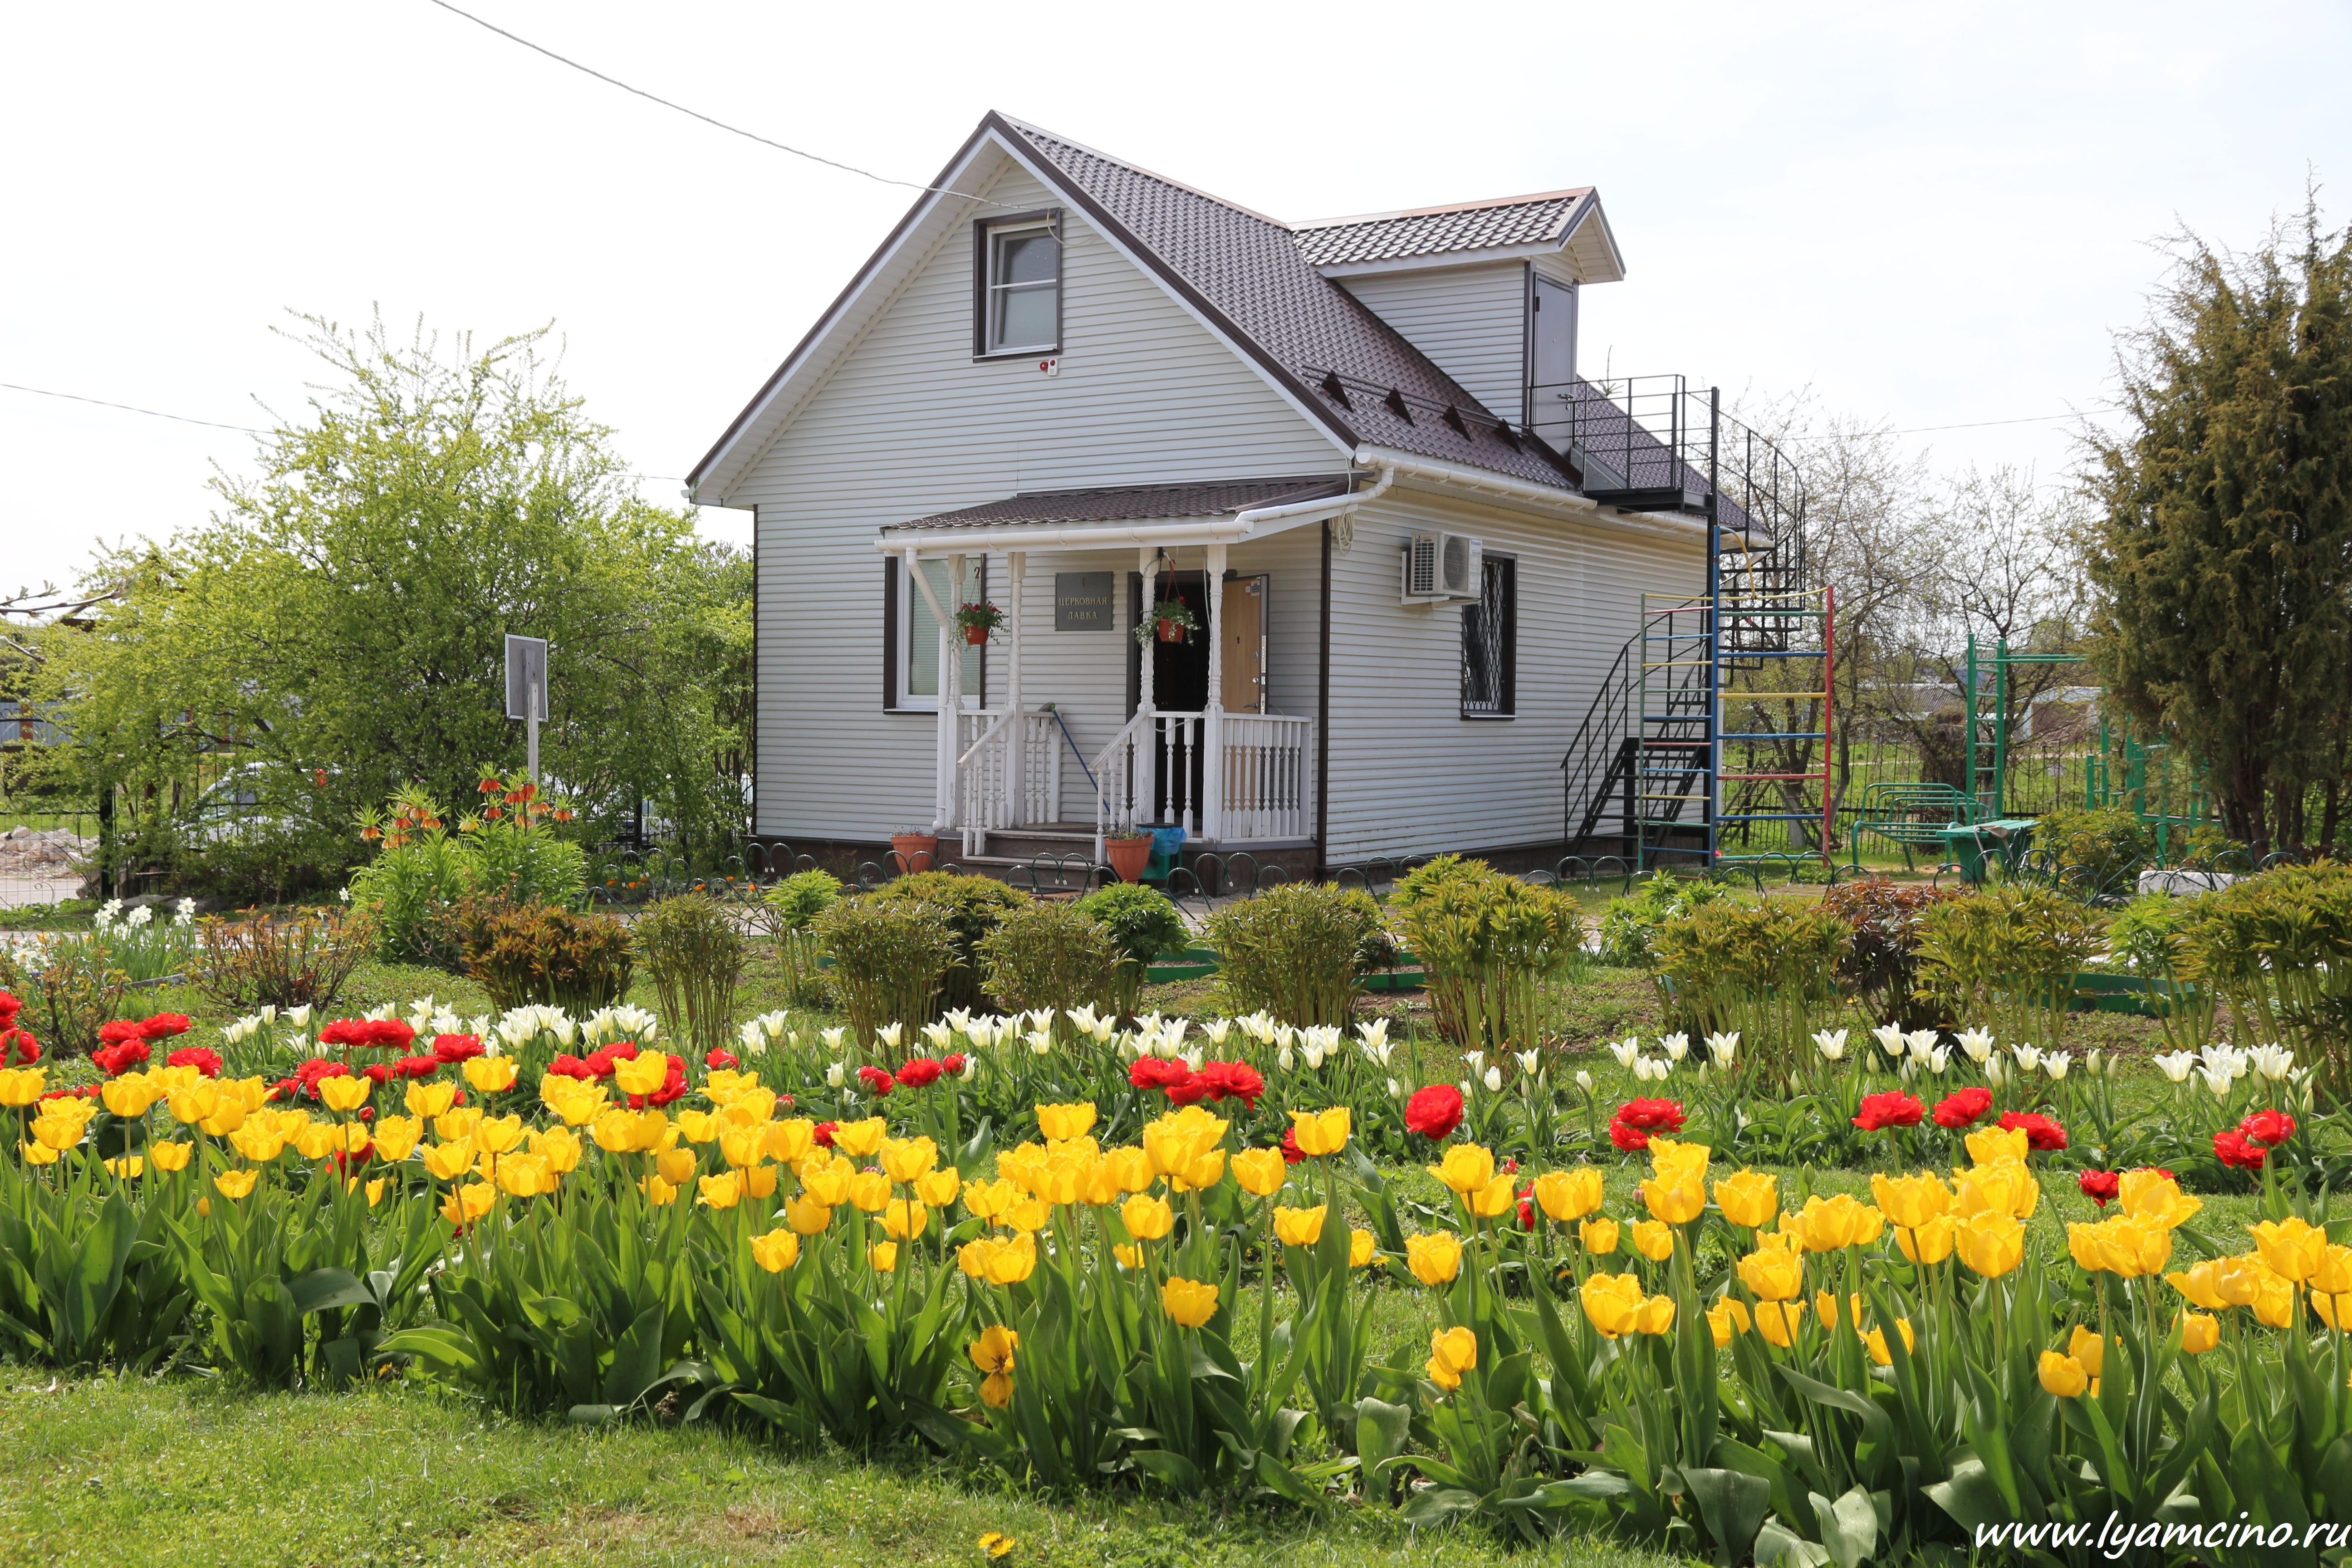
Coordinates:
[1933,215]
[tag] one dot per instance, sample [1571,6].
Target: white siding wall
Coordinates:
[1408,774]
[1472,321]
[907,425]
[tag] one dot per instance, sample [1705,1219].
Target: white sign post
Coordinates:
[527,691]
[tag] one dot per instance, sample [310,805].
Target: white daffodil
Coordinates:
[1676,1047]
[1626,1049]
[1978,1043]
[837,1074]
[2176,1066]
[186,911]
[1493,1079]
[1723,1049]
[2272,1061]
[1831,1043]
[139,917]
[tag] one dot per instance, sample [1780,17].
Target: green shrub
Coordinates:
[579,963]
[1051,954]
[2148,939]
[1487,943]
[424,869]
[792,908]
[1767,969]
[1881,967]
[1627,922]
[891,958]
[2096,851]
[296,961]
[694,950]
[1296,951]
[2006,959]
[69,989]
[972,906]
[2276,950]
[1145,925]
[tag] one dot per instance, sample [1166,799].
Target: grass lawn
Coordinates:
[182,1473]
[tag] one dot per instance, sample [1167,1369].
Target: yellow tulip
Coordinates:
[1147,1219]
[342,1095]
[170,1157]
[659,1192]
[1931,1242]
[869,1190]
[1493,1200]
[459,1123]
[791,1140]
[20,1087]
[2155,1195]
[2333,1275]
[1132,1169]
[1452,1353]
[2201,1284]
[1189,1301]
[1749,1198]
[939,1188]
[993,1351]
[884,1256]
[904,1160]
[676,1166]
[1774,1274]
[1012,1261]
[1727,1317]
[496,1074]
[375,1192]
[1826,1225]
[1565,1195]
[2241,1277]
[2275,1302]
[1675,1202]
[827,1184]
[859,1139]
[2200,1332]
[129,1096]
[741,1146]
[1361,1244]
[1678,1161]
[986,1200]
[1875,1341]
[1653,1240]
[1997,1145]
[806,1216]
[1260,1172]
[1129,1256]
[467,1203]
[448,1161]
[1613,1302]
[759,1180]
[1825,1307]
[719,1192]
[560,1146]
[1176,1141]
[428,1100]
[1598,1237]
[526,1176]
[255,1144]
[1434,1258]
[497,1133]
[40,1154]
[1028,1214]
[2000,1186]
[2292,1246]
[776,1250]
[2084,1348]
[397,1137]
[1202,1173]
[1321,1133]
[904,1219]
[126,1169]
[1058,1122]
[1910,1202]
[1299,1228]
[1990,1244]
[641,1074]
[1467,1169]
[2063,1375]
[1778,1321]
[2123,1245]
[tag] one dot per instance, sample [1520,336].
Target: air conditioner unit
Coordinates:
[1441,566]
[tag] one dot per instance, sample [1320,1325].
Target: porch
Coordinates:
[1195,744]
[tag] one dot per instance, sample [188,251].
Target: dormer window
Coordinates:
[1019,293]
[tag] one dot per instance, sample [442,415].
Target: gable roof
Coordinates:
[1500,229]
[1241,273]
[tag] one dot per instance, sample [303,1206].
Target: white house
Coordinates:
[1357,450]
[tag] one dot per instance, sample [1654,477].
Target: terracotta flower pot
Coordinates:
[1127,856]
[1170,631]
[915,851]
[975,635]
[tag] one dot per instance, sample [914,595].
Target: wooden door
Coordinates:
[1242,627]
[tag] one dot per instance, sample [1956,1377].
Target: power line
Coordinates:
[707,120]
[131,408]
[1973,424]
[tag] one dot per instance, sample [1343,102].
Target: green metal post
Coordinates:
[1999,726]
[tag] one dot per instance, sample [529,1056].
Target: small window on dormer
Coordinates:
[1021,285]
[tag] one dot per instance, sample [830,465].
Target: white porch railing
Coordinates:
[999,786]
[1158,769]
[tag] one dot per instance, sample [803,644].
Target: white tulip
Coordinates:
[1216,1030]
[1493,1079]
[1283,1059]
[1939,1060]
[2056,1063]
[298,1018]
[1921,1041]
[2029,1057]
[838,1073]
[1723,1049]
[1477,1060]
[2176,1066]
[1978,1043]
[1313,1051]
[938,1034]
[1467,1086]
[1528,1060]
[2272,1061]
[1041,1042]
[1396,1088]
[888,1035]
[2219,1082]
[1626,1049]
[1676,1047]
[832,1038]
[971,1066]
[1890,1039]
[1584,1080]
[1831,1043]
[1996,1071]
[1375,1035]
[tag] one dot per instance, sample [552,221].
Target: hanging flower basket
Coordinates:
[1172,619]
[977,621]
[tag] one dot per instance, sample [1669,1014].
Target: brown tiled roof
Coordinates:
[1435,231]
[1134,503]
[1250,271]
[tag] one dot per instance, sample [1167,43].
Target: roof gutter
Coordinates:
[1528,496]
[1231,527]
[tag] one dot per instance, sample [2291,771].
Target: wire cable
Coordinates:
[131,408]
[707,120]
[1974,425]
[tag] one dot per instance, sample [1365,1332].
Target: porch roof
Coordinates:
[1202,502]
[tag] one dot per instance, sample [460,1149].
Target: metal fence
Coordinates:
[46,857]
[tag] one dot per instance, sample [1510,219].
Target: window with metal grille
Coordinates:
[1489,643]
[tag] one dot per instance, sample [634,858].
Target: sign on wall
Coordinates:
[1082,602]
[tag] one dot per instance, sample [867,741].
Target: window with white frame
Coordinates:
[1020,292]
[919,638]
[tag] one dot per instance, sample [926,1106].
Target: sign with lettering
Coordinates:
[1082,602]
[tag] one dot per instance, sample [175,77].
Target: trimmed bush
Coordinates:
[792,909]
[1881,968]
[1487,943]
[2006,958]
[1296,951]
[578,962]
[891,958]
[694,950]
[1052,955]
[972,906]
[1145,925]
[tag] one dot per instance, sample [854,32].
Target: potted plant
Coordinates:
[1128,851]
[1172,619]
[977,621]
[915,848]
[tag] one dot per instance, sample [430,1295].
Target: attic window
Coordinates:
[1017,300]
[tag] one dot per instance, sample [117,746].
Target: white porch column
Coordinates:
[1148,561]
[951,645]
[1016,763]
[1143,769]
[943,763]
[1213,724]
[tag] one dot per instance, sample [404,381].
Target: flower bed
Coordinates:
[1155,1258]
